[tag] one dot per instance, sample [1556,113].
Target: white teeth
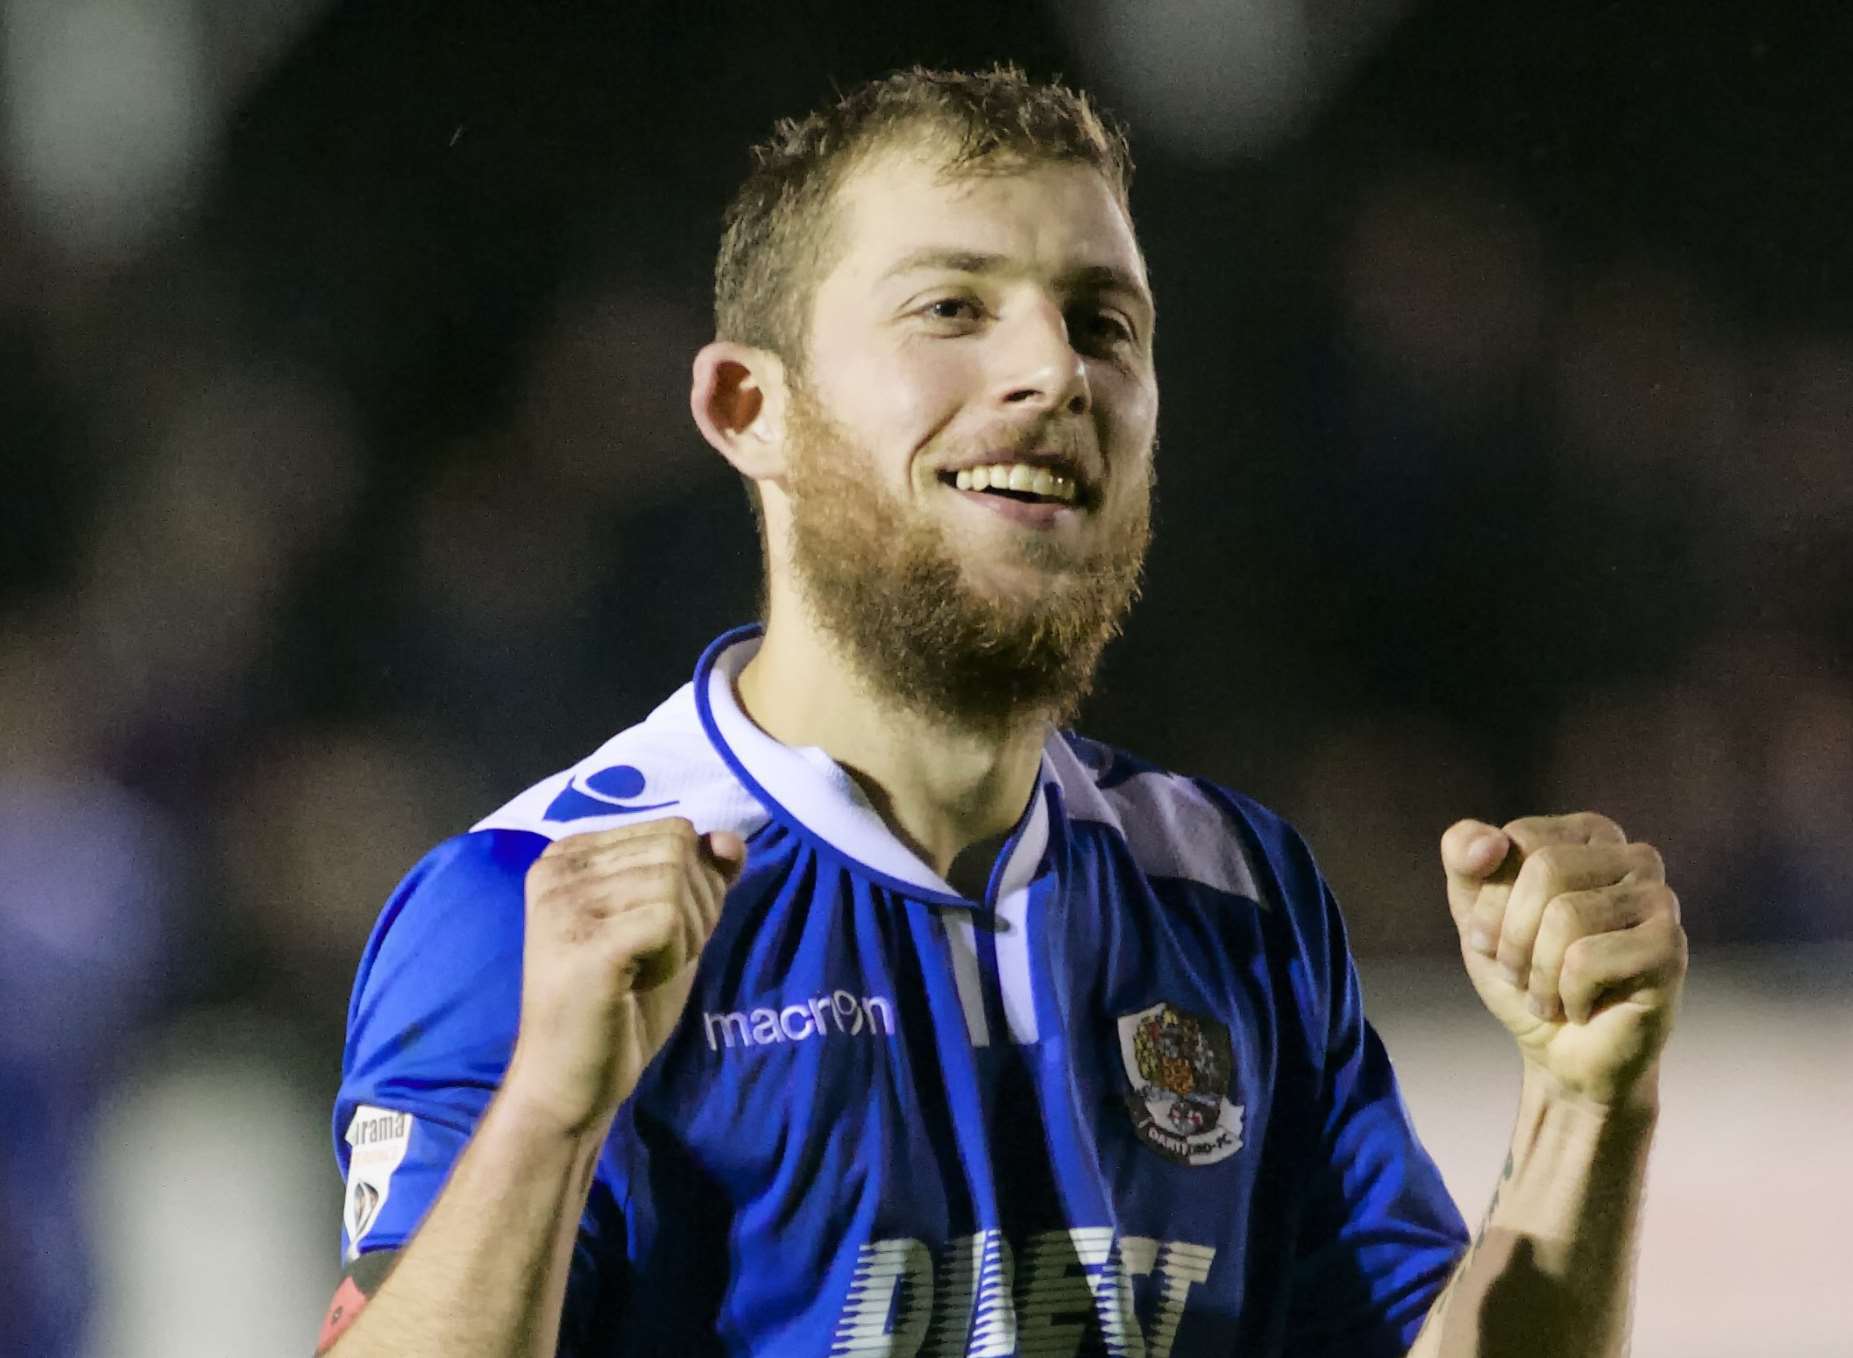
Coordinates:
[1018,476]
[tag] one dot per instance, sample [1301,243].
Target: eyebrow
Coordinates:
[1085,278]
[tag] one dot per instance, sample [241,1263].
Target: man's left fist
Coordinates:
[1572,938]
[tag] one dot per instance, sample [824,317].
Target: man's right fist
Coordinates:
[615,922]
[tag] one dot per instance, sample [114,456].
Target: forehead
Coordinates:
[1053,218]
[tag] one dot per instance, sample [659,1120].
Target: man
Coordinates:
[845,1005]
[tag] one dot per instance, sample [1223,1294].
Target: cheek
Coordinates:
[932,374]
[900,400]
[1129,416]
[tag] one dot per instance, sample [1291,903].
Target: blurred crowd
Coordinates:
[350,488]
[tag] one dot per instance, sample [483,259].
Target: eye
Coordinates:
[951,309]
[1103,329]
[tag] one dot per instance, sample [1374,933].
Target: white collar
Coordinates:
[804,787]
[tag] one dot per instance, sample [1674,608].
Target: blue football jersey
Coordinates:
[1127,1103]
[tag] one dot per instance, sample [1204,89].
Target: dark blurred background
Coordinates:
[1507,359]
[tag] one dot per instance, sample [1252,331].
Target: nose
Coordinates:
[1038,366]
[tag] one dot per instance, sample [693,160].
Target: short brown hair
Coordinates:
[778,243]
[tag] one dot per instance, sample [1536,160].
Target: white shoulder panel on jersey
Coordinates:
[1171,827]
[664,766]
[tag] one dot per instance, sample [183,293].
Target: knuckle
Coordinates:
[559,864]
[659,915]
[545,879]
[650,915]
[1552,860]
[1512,944]
[659,881]
[1530,833]
[1594,823]
[1564,918]
[1577,959]
[1561,828]
[1515,927]
[1645,859]
[646,929]
[669,841]
[664,851]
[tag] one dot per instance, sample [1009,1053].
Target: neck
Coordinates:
[951,794]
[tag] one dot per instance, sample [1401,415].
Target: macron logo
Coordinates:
[840,1012]
[609,792]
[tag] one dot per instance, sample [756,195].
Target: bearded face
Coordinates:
[893,586]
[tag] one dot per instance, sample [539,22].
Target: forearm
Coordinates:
[485,1275]
[1552,1267]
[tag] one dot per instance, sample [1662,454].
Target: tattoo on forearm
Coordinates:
[1479,1238]
[359,1282]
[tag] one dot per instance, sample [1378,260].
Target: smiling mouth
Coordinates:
[1018,481]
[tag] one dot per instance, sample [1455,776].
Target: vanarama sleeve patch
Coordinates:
[377,1139]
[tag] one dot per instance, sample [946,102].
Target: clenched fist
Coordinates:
[1572,938]
[615,922]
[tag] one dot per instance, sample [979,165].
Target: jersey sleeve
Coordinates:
[1379,1233]
[430,1029]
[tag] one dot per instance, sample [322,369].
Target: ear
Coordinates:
[738,401]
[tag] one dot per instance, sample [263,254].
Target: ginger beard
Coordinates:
[888,585]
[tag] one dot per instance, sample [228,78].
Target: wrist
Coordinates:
[1543,1096]
[537,1108]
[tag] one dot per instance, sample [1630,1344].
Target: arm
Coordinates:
[486,1272]
[1572,939]
[1550,1269]
[615,922]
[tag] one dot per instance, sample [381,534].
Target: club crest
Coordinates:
[1181,1067]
